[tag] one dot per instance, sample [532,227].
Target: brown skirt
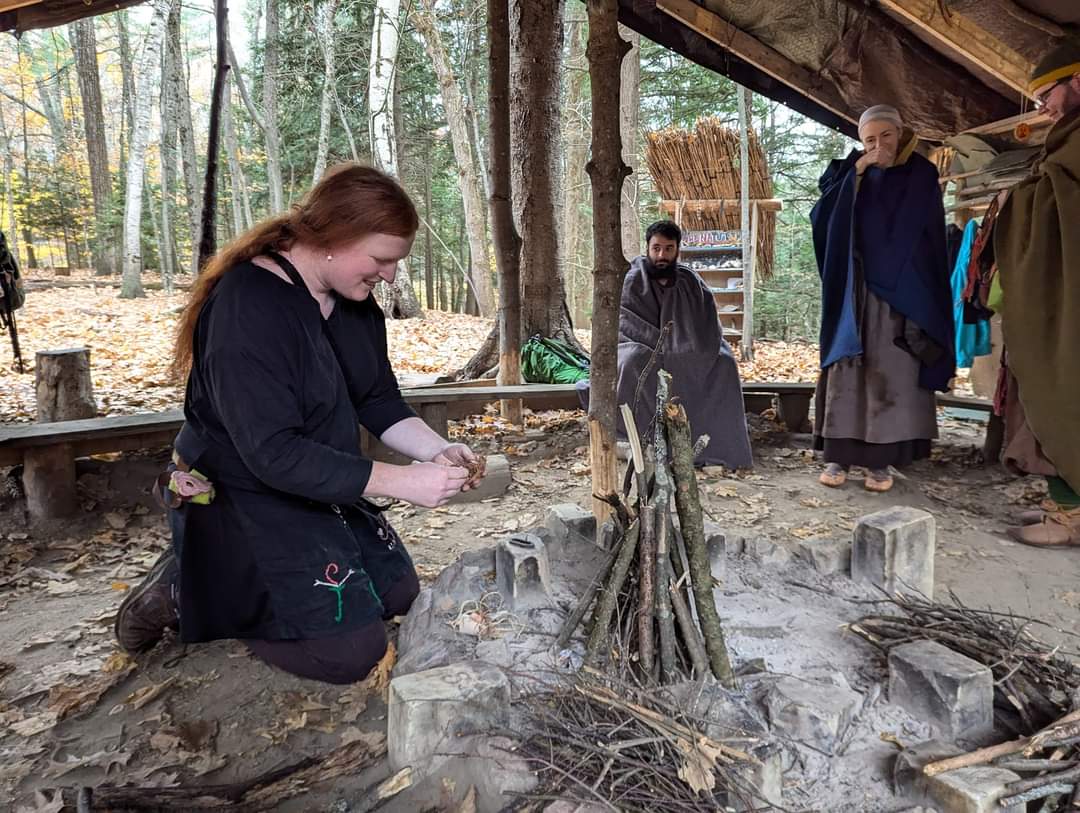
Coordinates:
[870,411]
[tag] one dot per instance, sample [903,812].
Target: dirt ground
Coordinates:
[76,712]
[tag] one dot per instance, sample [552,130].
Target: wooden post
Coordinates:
[748,284]
[62,385]
[207,238]
[503,233]
[743,94]
[49,481]
[607,171]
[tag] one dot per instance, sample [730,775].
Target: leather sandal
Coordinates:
[1044,535]
[834,476]
[876,483]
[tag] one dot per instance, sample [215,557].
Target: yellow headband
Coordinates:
[1053,76]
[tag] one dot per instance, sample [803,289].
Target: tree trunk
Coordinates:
[54,116]
[271,66]
[606,170]
[167,247]
[575,181]
[9,196]
[127,82]
[208,229]
[132,284]
[423,17]
[324,33]
[403,303]
[429,270]
[537,41]
[242,217]
[84,46]
[629,114]
[746,349]
[185,131]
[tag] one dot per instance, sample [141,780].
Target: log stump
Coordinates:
[63,387]
[49,481]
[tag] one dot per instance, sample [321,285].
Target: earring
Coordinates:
[329,258]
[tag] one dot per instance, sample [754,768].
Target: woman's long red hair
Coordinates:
[349,203]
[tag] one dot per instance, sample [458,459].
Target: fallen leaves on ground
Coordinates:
[130,343]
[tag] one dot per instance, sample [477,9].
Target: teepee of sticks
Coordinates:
[650,612]
[703,164]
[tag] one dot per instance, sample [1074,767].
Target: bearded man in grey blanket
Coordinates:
[667,320]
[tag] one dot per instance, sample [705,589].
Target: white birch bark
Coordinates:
[324,27]
[144,91]
[269,124]
[423,17]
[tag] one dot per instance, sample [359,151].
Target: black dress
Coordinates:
[288,549]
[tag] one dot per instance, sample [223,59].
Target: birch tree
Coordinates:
[242,217]
[382,69]
[324,32]
[423,17]
[181,102]
[144,90]
[167,246]
[629,116]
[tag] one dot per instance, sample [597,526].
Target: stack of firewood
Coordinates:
[650,613]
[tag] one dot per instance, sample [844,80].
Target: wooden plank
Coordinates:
[964,39]
[708,205]
[1033,118]
[11,5]
[735,40]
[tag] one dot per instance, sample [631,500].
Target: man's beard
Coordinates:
[667,272]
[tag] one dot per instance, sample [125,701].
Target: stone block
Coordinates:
[816,713]
[826,556]
[522,571]
[607,535]
[496,481]
[767,552]
[894,550]
[428,710]
[972,790]
[944,688]
[909,780]
[569,523]
[496,652]
[716,546]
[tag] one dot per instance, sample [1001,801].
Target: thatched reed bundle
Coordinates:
[704,165]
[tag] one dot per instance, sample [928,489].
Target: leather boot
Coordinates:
[151,607]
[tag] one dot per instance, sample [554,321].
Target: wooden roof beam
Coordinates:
[756,53]
[11,5]
[964,39]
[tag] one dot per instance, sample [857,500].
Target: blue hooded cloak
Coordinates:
[899,235]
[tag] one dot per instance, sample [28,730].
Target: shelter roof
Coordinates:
[17,16]
[948,65]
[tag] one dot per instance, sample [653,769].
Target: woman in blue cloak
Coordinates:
[886,323]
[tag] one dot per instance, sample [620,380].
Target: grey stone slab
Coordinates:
[569,523]
[428,710]
[894,550]
[767,552]
[496,652]
[946,689]
[812,712]
[826,556]
[972,790]
[523,571]
[497,480]
[909,780]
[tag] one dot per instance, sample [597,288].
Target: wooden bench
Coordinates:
[49,450]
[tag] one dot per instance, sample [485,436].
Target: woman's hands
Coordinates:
[877,157]
[432,484]
[460,455]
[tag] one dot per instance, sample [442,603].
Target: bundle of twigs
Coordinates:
[653,617]
[1051,756]
[629,749]
[1034,683]
[704,165]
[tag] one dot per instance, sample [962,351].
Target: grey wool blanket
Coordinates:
[676,329]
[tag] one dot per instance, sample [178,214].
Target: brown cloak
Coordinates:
[1037,246]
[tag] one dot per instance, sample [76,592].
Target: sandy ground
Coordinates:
[210,714]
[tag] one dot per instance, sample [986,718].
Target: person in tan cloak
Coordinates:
[1037,248]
